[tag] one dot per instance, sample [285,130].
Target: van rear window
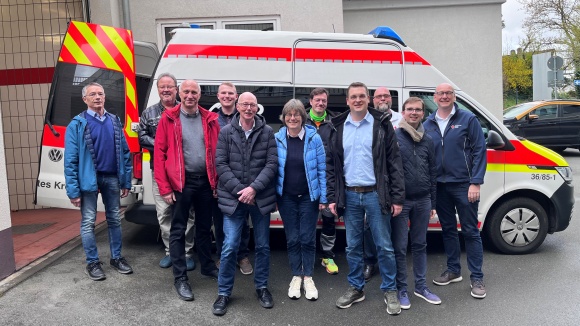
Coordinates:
[66,92]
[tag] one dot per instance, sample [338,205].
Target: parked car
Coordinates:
[553,123]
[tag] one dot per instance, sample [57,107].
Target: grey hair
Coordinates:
[166,74]
[84,91]
[293,105]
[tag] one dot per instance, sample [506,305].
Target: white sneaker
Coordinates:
[294,289]
[310,291]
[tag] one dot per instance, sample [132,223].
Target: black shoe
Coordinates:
[95,272]
[183,289]
[121,265]
[213,274]
[369,271]
[220,306]
[265,298]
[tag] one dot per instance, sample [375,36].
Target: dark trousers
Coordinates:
[197,192]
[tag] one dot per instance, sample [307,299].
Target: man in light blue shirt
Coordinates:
[365,176]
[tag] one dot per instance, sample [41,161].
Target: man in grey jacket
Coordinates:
[167,88]
[246,163]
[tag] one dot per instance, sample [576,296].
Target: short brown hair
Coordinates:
[318,91]
[293,105]
[414,99]
[355,85]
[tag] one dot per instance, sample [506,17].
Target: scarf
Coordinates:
[316,118]
[416,134]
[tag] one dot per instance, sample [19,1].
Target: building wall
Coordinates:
[462,38]
[31,33]
[296,15]
[7,263]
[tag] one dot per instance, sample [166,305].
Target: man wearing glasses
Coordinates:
[167,89]
[247,163]
[185,172]
[460,155]
[418,156]
[365,178]
[97,159]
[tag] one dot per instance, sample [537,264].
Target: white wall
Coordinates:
[5,221]
[295,15]
[462,38]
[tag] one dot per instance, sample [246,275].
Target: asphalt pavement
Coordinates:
[534,289]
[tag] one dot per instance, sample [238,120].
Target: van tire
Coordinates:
[517,226]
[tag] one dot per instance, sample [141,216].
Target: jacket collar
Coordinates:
[173,113]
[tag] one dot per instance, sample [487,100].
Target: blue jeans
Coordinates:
[452,196]
[233,226]
[299,216]
[218,224]
[370,251]
[111,196]
[417,211]
[357,205]
[197,193]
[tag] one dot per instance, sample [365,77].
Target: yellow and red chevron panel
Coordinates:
[108,48]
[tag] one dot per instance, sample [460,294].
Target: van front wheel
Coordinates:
[518,226]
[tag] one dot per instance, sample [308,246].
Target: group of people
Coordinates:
[386,173]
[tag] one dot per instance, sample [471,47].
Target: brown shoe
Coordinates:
[245,266]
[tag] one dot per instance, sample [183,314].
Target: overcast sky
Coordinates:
[513,16]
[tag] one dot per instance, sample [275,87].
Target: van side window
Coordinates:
[546,112]
[70,80]
[570,110]
[431,106]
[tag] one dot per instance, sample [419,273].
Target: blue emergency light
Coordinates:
[388,33]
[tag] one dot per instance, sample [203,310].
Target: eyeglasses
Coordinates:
[383,96]
[415,110]
[166,87]
[448,93]
[248,105]
[95,94]
[293,115]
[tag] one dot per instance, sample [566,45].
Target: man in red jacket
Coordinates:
[185,148]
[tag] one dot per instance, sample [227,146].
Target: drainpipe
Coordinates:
[126,14]
[115,14]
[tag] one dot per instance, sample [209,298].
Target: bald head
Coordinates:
[444,97]
[382,100]
[190,93]
[247,107]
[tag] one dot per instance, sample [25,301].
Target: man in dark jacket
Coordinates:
[365,176]
[420,194]
[226,109]
[319,116]
[461,161]
[167,89]
[247,162]
[185,172]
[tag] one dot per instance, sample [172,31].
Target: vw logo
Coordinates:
[55,155]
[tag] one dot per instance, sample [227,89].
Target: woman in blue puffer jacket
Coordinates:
[301,192]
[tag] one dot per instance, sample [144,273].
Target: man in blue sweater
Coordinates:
[460,155]
[97,159]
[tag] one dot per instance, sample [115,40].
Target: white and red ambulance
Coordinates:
[528,189]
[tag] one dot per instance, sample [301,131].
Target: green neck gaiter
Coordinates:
[316,118]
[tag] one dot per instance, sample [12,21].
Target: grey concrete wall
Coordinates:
[461,38]
[296,15]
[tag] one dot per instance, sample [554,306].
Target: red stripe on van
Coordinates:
[227,51]
[522,155]
[26,76]
[302,54]
[49,139]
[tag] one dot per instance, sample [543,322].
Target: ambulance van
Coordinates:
[528,189]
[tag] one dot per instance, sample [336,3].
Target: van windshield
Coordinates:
[67,101]
[516,110]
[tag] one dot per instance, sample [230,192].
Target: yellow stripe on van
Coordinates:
[98,47]
[130,90]
[522,168]
[76,51]
[128,130]
[546,152]
[492,167]
[120,44]
[146,156]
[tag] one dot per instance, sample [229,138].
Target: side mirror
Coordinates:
[532,117]
[494,140]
